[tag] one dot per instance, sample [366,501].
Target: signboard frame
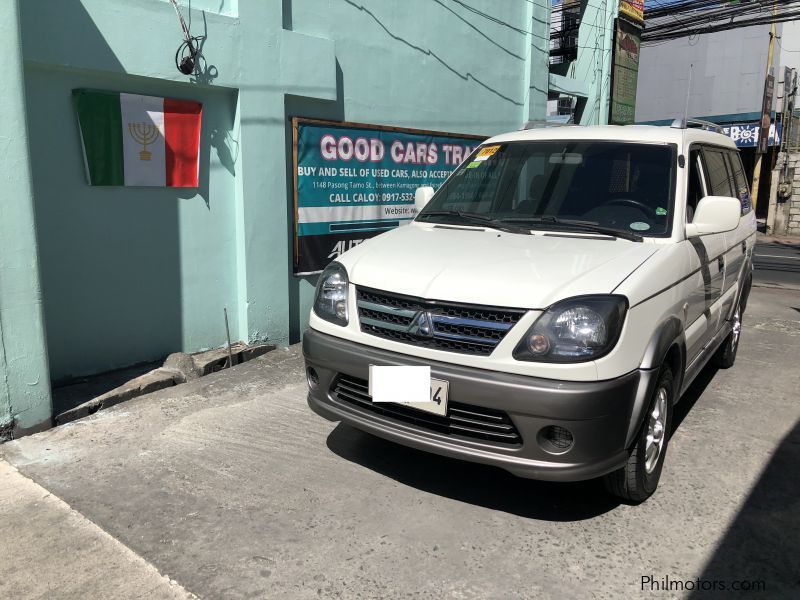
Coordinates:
[297,121]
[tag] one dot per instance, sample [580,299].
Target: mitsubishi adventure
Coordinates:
[558,294]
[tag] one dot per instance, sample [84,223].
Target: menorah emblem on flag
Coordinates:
[145,134]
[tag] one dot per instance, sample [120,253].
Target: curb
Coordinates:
[178,368]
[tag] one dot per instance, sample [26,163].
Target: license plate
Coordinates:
[438,403]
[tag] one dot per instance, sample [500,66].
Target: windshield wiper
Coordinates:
[501,225]
[580,225]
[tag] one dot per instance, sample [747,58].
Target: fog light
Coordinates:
[539,344]
[341,310]
[312,377]
[555,439]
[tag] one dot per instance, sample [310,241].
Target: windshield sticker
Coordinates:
[661,211]
[473,164]
[639,226]
[487,152]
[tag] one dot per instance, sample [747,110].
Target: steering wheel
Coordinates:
[633,203]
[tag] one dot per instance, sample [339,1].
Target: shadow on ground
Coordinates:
[473,483]
[692,395]
[763,542]
[70,393]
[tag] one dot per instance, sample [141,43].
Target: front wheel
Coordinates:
[638,478]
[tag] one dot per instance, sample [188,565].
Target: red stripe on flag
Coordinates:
[182,137]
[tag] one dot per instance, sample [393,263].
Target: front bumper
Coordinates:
[603,416]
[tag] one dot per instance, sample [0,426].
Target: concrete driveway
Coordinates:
[229,487]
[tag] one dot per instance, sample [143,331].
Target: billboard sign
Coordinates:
[745,135]
[633,10]
[353,181]
[625,73]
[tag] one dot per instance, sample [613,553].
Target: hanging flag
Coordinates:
[130,139]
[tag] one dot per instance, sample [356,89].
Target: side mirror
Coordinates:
[714,214]
[422,196]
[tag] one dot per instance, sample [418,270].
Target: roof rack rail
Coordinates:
[684,123]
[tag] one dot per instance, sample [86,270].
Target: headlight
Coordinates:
[330,301]
[574,330]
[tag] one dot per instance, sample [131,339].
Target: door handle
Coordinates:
[721,262]
[744,247]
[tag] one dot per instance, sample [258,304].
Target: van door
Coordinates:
[695,318]
[720,179]
[709,172]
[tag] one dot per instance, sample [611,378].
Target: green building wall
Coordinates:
[131,274]
[24,385]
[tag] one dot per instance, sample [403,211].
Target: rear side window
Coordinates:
[740,180]
[718,174]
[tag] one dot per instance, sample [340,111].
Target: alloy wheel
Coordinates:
[737,327]
[656,430]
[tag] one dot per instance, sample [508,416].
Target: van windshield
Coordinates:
[619,187]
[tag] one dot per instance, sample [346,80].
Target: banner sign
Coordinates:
[745,135]
[632,9]
[625,73]
[354,181]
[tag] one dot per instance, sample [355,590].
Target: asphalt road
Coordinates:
[777,264]
[230,487]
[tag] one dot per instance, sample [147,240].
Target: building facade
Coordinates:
[581,50]
[97,278]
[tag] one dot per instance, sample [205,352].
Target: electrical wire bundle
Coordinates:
[186,55]
[668,20]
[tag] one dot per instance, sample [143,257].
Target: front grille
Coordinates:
[462,420]
[431,324]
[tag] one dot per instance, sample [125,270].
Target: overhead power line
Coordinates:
[693,17]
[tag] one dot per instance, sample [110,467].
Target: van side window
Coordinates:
[718,174]
[695,191]
[740,180]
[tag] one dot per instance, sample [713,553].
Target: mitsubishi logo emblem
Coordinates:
[421,325]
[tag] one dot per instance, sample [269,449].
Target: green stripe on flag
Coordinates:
[101,129]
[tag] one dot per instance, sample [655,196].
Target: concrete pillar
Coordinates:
[25,403]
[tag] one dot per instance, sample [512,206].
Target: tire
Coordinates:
[636,481]
[725,356]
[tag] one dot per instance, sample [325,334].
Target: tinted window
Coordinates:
[740,180]
[718,173]
[624,186]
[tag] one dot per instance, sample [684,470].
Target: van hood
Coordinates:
[490,267]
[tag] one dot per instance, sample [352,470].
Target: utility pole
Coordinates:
[767,108]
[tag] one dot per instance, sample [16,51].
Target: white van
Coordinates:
[563,286]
